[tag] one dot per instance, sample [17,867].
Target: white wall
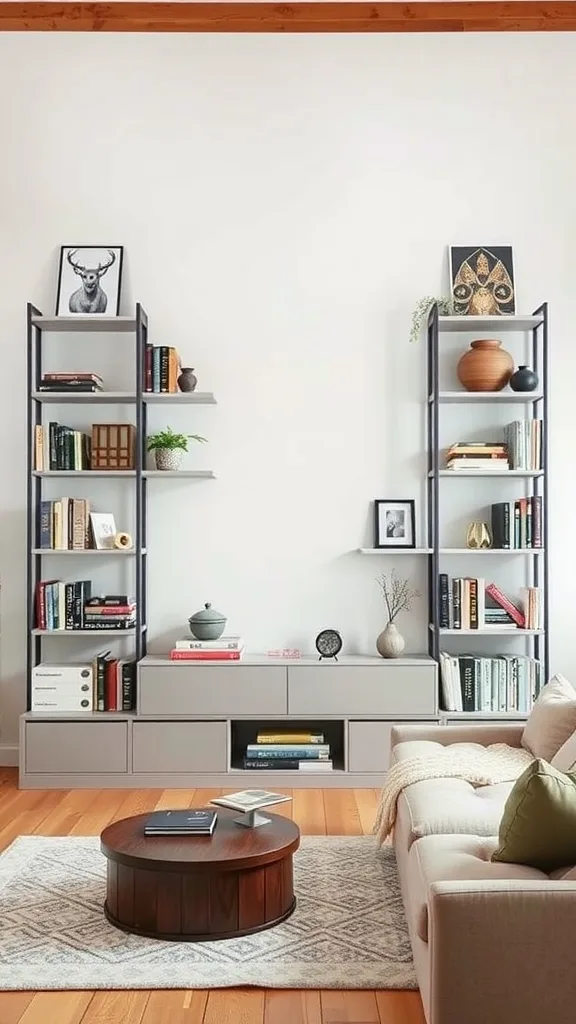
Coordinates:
[284,201]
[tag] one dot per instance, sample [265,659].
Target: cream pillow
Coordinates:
[565,759]
[552,720]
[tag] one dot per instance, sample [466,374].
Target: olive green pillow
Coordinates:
[538,826]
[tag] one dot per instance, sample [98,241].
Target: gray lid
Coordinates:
[207,614]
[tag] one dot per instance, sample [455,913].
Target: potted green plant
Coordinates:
[169,447]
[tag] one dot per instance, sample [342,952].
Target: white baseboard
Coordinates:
[8,755]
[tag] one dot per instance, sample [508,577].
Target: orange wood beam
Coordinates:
[425,16]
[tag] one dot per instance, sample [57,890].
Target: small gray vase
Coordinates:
[390,643]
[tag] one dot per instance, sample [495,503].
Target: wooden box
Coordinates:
[113,446]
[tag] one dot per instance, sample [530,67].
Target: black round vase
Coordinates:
[524,379]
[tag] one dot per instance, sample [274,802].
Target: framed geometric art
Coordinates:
[482,280]
[89,280]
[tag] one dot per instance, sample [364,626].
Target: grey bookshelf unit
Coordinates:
[192,721]
[108,725]
[535,405]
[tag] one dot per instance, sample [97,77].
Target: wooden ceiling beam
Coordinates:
[345,16]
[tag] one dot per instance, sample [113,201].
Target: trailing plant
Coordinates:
[167,439]
[422,309]
[397,593]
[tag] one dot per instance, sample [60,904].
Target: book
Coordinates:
[181,823]
[286,764]
[290,737]
[226,655]
[496,594]
[232,643]
[250,799]
[296,750]
[495,683]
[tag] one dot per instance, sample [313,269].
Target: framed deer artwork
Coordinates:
[89,280]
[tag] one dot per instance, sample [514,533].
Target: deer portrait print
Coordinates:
[89,280]
[482,281]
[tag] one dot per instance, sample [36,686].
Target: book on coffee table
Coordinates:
[181,823]
[250,799]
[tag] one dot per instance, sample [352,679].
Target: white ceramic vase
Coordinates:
[390,643]
[168,458]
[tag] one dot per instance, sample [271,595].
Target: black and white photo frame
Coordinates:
[89,280]
[394,523]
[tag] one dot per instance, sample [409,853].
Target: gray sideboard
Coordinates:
[192,721]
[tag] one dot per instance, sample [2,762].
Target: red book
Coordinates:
[110,609]
[110,688]
[506,604]
[178,655]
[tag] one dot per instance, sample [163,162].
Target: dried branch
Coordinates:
[397,593]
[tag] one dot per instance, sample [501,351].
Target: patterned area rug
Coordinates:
[348,930]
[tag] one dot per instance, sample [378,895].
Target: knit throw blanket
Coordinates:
[480,766]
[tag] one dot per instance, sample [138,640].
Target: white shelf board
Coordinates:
[84,472]
[94,397]
[497,474]
[180,398]
[496,324]
[492,551]
[115,553]
[195,474]
[86,323]
[86,632]
[392,552]
[489,632]
[500,397]
[122,397]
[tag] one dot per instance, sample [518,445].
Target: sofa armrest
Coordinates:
[507,732]
[502,952]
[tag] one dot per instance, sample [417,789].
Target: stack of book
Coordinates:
[110,611]
[71,383]
[467,603]
[477,455]
[60,605]
[161,369]
[181,823]
[64,524]
[60,448]
[524,441]
[517,524]
[226,648]
[114,683]
[303,751]
[499,683]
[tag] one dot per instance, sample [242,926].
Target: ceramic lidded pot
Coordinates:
[207,624]
[486,367]
[524,379]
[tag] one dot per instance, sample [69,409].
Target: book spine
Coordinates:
[101,684]
[156,369]
[45,538]
[497,524]
[52,453]
[109,609]
[528,520]
[204,655]
[148,368]
[290,737]
[39,447]
[208,645]
[273,764]
[107,625]
[302,753]
[164,369]
[506,604]
[536,503]
[467,683]
[128,688]
[111,599]
[69,603]
[473,587]
[110,685]
[456,603]
[444,604]
[91,616]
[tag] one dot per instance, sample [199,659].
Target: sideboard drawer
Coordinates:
[394,690]
[179,747]
[212,690]
[76,747]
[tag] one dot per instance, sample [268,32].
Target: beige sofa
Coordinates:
[493,943]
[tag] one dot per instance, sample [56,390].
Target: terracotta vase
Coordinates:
[390,643]
[486,367]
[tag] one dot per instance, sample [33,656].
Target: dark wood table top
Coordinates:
[230,844]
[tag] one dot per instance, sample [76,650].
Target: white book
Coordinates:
[315,766]
[224,643]
[250,799]
[488,465]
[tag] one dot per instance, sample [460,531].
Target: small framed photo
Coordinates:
[103,528]
[394,523]
[89,280]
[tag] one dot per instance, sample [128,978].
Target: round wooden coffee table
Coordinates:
[185,889]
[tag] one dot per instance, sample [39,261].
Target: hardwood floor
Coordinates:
[87,812]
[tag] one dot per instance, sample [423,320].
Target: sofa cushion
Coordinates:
[454,858]
[539,822]
[451,807]
[552,720]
